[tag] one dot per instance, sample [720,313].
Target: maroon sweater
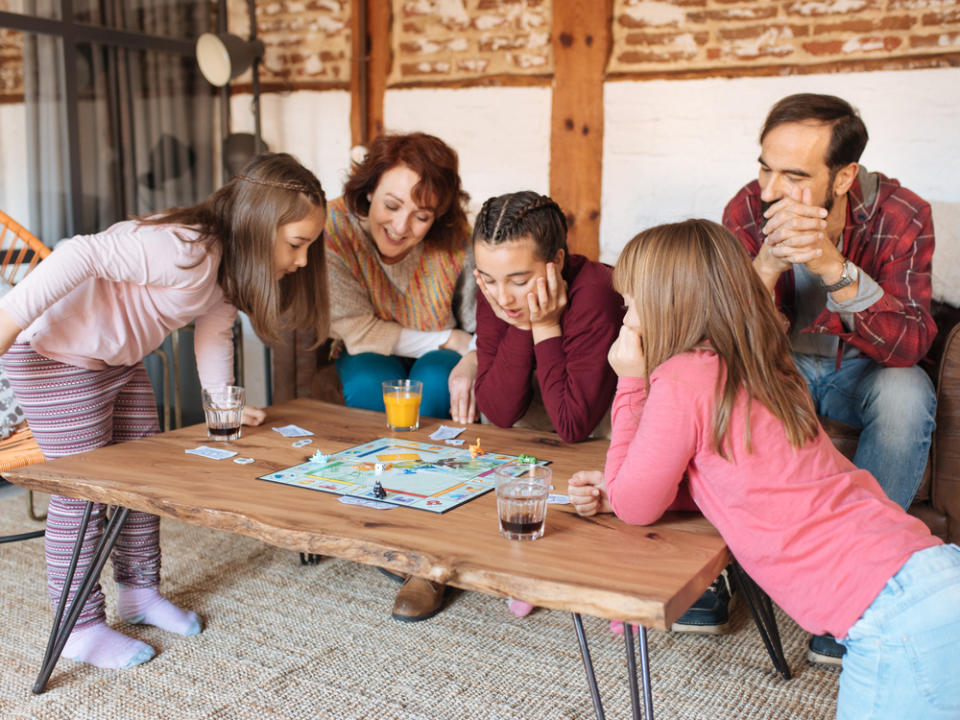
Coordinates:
[576,382]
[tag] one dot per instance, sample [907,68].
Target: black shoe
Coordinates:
[711,613]
[826,650]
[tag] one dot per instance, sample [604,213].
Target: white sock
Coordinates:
[145,605]
[104,647]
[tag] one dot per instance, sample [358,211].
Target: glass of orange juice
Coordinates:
[401,398]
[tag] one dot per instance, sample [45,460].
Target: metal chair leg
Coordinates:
[60,632]
[22,536]
[761,608]
[30,510]
[588,666]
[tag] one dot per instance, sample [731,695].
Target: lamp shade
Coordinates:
[223,57]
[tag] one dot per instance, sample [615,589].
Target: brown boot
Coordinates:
[418,599]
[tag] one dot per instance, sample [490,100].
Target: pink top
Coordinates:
[814,531]
[110,299]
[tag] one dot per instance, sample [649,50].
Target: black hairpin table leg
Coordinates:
[631,670]
[61,631]
[761,608]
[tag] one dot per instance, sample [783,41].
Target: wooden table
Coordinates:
[599,566]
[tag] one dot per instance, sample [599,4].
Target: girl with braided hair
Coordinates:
[75,332]
[545,321]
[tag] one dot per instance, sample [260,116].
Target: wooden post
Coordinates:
[370,25]
[581,46]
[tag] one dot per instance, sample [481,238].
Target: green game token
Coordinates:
[527,459]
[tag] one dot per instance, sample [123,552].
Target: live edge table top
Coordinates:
[596,566]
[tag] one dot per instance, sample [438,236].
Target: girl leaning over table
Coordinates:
[75,332]
[708,390]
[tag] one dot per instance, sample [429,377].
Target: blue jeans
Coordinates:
[362,374]
[901,659]
[893,407]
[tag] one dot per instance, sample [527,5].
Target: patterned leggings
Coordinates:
[72,410]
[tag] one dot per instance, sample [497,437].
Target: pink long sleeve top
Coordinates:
[110,299]
[814,531]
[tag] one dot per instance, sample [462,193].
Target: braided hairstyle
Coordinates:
[523,214]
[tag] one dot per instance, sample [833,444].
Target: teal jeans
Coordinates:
[362,374]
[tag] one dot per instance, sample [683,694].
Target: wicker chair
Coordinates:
[20,251]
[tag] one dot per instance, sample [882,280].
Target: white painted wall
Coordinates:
[502,134]
[310,125]
[682,148]
[13,162]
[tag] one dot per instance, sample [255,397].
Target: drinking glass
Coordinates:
[223,409]
[522,491]
[401,398]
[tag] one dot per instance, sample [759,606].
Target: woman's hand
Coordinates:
[459,341]
[495,306]
[626,354]
[587,491]
[547,305]
[463,398]
[253,415]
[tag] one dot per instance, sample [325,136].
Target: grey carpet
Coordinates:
[286,641]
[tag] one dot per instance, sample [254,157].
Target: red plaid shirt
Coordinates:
[889,236]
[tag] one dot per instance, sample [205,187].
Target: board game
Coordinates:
[432,477]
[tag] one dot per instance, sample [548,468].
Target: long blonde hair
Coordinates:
[244,216]
[694,287]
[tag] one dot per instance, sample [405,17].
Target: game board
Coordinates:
[432,477]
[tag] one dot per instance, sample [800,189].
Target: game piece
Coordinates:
[301,443]
[378,490]
[475,449]
[378,469]
[524,458]
[243,460]
[318,457]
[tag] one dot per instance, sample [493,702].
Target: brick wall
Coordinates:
[658,36]
[307,41]
[448,40]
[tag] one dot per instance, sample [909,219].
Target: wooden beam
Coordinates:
[581,45]
[378,66]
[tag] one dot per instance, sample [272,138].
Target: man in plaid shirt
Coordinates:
[846,254]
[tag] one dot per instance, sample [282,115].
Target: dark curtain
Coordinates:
[146,119]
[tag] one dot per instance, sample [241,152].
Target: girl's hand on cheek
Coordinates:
[549,301]
[626,355]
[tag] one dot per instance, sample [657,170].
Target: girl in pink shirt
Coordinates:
[707,391]
[75,331]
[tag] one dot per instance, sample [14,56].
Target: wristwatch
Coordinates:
[847,277]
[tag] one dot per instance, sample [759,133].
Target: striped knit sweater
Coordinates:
[371,302]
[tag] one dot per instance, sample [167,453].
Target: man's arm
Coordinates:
[896,330]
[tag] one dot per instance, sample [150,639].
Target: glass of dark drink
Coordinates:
[522,490]
[223,409]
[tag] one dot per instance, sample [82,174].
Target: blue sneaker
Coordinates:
[710,614]
[824,649]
